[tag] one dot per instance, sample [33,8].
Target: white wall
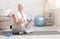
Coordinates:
[57,3]
[6,4]
[31,7]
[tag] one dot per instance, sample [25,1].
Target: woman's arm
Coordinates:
[17,21]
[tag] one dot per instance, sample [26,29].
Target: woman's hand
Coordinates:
[29,19]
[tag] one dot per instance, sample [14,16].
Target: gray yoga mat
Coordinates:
[44,33]
[38,33]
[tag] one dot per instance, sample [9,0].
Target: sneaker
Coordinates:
[21,33]
[29,31]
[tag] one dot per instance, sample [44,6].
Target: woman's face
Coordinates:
[20,7]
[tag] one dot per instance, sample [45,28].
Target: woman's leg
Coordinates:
[22,28]
[28,27]
[18,28]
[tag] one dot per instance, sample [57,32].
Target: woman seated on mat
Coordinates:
[22,21]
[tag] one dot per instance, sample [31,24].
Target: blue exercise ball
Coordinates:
[39,20]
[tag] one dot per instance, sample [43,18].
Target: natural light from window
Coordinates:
[57,3]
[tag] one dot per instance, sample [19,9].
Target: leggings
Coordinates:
[22,27]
